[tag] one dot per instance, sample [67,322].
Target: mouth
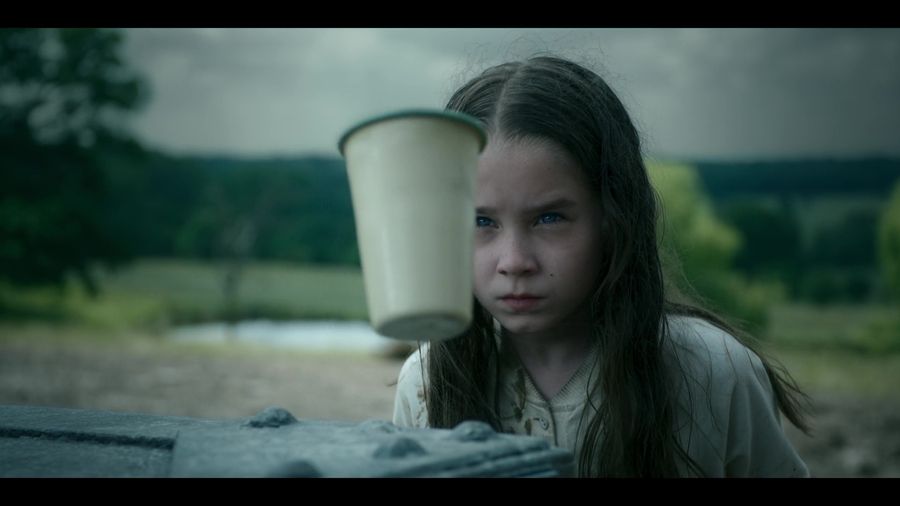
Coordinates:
[521,302]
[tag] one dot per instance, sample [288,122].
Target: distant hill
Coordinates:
[809,177]
[800,178]
[175,207]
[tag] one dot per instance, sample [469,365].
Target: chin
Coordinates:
[523,324]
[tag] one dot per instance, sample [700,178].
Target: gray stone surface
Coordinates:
[60,442]
[37,441]
[59,458]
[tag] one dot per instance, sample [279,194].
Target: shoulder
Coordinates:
[707,350]
[714,370]
[409,402]
[413,367]
[729,419]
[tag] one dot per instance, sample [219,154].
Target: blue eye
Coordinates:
[548,218]
[481,221]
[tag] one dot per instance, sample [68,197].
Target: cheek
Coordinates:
[481,268]
[579,262]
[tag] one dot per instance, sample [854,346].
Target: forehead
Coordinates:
[522,171]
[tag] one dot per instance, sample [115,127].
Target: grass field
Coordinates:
[64,349]
[835,327]
[843,372]
[825,347]
[154,294]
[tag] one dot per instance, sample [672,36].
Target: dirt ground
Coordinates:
[853,437]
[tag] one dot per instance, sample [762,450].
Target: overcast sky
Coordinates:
[694,93]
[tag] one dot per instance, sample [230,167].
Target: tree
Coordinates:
[234,212]
[883,335]
[889,241]
[698,250]
[849,243]
[63,95]
[771,237]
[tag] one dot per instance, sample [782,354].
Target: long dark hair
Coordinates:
[632,431]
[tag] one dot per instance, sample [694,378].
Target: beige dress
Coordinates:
[735,429]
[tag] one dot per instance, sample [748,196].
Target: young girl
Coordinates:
[575,335]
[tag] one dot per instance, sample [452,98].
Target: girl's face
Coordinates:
[537,243]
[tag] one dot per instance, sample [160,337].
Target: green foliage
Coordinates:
[152,295]
[869,329]
[882,336]
[150,197]
[849,243]
[835,205]
[689,224]
[691,235]
[50,218]
[771,246]
[62,92]
[799,178]
[191,291]
[889,241]
[844,372]
[64,86]
[295,210]
[300,207]
[835,285]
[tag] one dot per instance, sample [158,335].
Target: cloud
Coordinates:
[716,93]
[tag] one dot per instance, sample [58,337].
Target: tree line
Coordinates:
[76,191]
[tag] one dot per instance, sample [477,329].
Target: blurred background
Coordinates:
[176,233]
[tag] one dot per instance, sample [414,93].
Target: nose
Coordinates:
[516,257]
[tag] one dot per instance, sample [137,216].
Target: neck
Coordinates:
[559,348]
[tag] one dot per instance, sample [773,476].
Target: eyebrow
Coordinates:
[560,203]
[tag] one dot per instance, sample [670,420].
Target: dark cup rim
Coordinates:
[463,118]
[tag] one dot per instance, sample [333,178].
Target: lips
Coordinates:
[520,302]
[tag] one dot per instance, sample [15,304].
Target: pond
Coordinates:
[350,336]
